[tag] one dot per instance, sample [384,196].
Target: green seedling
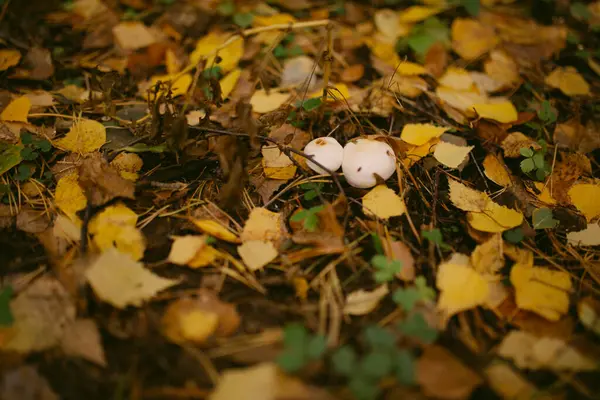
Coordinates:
[300,348]
[311,190]
[542,218]
[407,298]
[435,236]
[308,217]
[385,269]
[416,327]
[535,161]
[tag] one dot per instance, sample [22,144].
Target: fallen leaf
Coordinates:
[389,25]
[101,182]
[32,221]
[216,229]
[128,165]
[133,35]
[462,100]
[185,248]
[532,352]
[495,218]
[452,279]
[228,82]
[590,236]
[9,58]
[457,79]
[177,84]
[418,13]
[362,302]
[17,110]
[276,164]
[588,311]
[502,68]
[504,111]
[82,339]
[121,281]
[383,202]
[263,225]
[419,134]
[496,171]
[114,227]
[85,136]
[228,57]
[25,383]
[353,73]
[471,39]
[263,103]
[541,290]
[569,81]
[41,312]
[515,141]
[509,384]
[584,197]
[69,196]
[443,376]
[488,257]
[451,155]
[257,253]
[300,71]
[199,318]
[465,198]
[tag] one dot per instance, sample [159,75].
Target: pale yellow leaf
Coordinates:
[121,281]
[16,110]
[263,103]
[465,198]
[584,196]
[9,58]
[541,290]
[114,227]
[263,224]
[276,164]
[229,81]
[462,100]
[590,236]
[569,81]
[457,79]
[418,13]
[389,25]
[185,248]
[69,196]
[383,202]
[362,302]
[502,111]
[179,85]
[419,134]
[257,253]
[488,257]
[82,339]
[508,383]
[451,155]
[85,136]
[133,35]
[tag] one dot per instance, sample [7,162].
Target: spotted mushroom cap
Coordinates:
[327,152]
[365,157]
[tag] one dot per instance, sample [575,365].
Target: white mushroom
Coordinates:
[365,157]
[327,152]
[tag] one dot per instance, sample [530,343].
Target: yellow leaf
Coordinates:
[408,68]
[185,248]
[585,197]
[457,79]
[383,202]
[544,194]
[179,86]
[419,134]
[385,52]
[409,86]
[488,257]
[229,81]
[362,302]
[471,39]
[502,112]
[389,26]
[69,196]
[263,224]
[465,198]
[263,103]
[495,218]
[462,100]
[450,154]
[84,136]
[461,288]
[418,13]
[515,141]
[17,110]
[9,58]
[502,68]
[257,253]
[230,55]
[213,228]
[115,227]
[569,81]
[205,257]
[276,19]
[541,290]
[171,62]
[416,153]
[121,281]
[276,164]
[496,171]
[128,165]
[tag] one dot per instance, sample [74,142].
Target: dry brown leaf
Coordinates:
[101,182]
[133,35]
[515,141]
[82,339]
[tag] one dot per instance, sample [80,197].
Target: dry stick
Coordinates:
[327,60]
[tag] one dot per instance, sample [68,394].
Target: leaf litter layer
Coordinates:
[166,232]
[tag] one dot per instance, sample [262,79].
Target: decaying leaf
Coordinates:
[362,302]
[121,281]
[257,253]
[263,224]
[590,236]
[85,136]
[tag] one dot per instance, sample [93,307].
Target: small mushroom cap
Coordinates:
[365,157]
[327,152]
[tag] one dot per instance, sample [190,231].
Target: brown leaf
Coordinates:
[32,221]
[401,252]
[436,59]
[443,376]
[102,182]
[82,339]
[38,65]
[7,218]
[25,383]
[574,136]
